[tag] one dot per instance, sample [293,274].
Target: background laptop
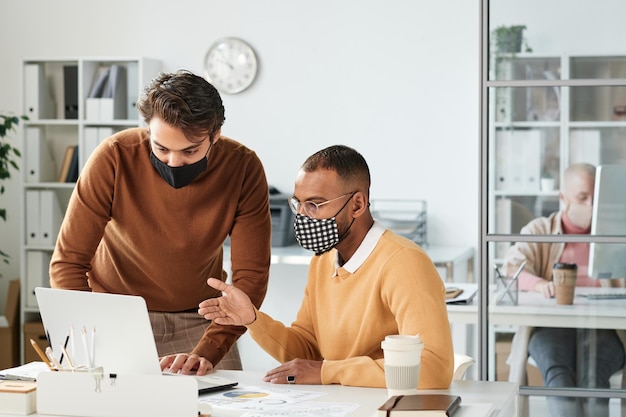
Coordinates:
[115,329]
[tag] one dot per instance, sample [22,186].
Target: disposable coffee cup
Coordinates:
[564,278]
[403,354]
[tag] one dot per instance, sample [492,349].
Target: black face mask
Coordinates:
[181,176]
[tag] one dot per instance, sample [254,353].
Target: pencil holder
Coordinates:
[114,395]
[507,290]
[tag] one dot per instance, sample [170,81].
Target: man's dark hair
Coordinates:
[345,161]
[184,100]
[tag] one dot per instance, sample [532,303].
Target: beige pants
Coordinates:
[180,332]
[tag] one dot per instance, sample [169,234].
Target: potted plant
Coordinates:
[509,39]
[8,156]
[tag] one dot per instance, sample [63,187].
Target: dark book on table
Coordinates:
[422,405]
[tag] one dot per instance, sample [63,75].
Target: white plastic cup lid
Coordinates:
[398,341]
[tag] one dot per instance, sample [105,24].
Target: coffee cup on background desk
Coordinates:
[403,354]
[564,278]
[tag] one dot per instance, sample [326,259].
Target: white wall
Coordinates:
[573,27]
[397,79]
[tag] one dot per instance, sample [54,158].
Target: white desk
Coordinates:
[479,398]
[534,309]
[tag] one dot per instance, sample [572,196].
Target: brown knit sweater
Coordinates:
[127,231]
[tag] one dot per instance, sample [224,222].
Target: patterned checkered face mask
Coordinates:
[317,235]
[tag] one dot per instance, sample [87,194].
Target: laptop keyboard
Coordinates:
[606,296]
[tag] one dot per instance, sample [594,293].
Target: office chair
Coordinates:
[461,365]
[519,357]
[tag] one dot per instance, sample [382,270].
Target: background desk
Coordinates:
[456,261]
[533,309]
[479,398]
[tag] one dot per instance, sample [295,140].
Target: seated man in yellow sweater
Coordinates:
[364,283]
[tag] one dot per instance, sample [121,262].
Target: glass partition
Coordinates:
[553,95]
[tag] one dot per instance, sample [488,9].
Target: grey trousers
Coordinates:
[180,332]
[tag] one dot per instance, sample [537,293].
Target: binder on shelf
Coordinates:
[518,160]
[90,141]
[50,217]
[99,82]
[37,274]
[92,103]
[33,236]
[70,91]
[92,138]
[584,146]
[72,172]
[65,164]
[69,167]
[37,101]
[107,99]
[133,88]
[39,163]
[113,103]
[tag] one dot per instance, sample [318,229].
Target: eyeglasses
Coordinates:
[312,208]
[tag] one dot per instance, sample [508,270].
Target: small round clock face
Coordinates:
[230,65]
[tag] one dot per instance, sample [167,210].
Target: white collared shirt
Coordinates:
[363,251]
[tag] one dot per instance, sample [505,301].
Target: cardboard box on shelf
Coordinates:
[33,330]
[10,328]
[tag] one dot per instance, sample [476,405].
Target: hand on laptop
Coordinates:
[185,363]
[232,308]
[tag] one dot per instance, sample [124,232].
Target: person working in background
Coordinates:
[151,211]
[567,357]
[364,283]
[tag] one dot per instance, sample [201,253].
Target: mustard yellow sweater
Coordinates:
[127,231]
[344,318]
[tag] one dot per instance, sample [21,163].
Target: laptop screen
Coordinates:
[110,330]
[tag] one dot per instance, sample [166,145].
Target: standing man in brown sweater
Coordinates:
[151,211]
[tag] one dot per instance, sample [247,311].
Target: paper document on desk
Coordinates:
[262,401]
[467,294]
[27,372]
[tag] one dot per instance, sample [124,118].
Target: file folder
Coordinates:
[39,163]
[37,101]
[92,138]
[113,102]
[70,90]
[50,217]
[33,230]
[37,274]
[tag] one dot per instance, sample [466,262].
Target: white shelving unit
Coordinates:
[55,97]
[539,130]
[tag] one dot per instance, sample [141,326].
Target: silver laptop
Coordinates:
[108,330]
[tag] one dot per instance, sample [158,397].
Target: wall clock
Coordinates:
[231,65]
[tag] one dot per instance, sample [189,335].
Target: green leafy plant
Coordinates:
[8,156]
[509,39]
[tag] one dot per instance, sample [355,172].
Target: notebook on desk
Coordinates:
[464,293]
[110,330]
